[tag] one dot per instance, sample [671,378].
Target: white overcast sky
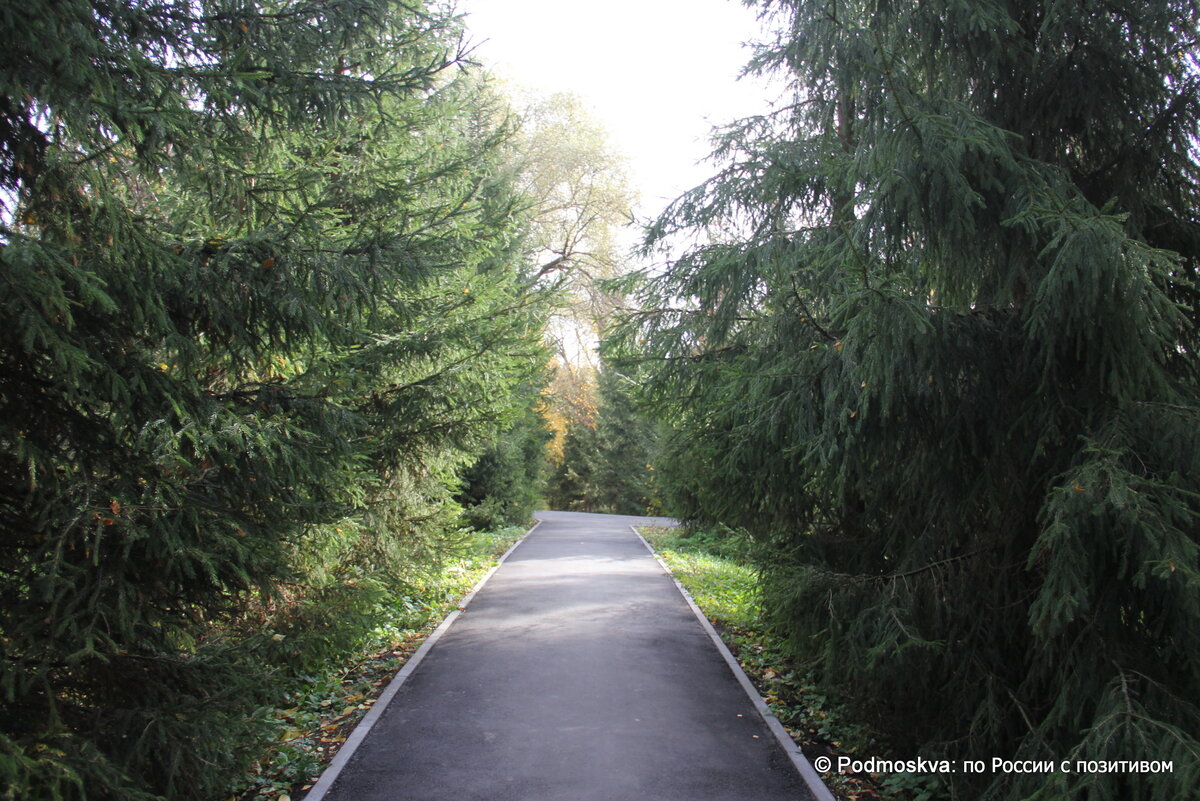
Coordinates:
[658,74]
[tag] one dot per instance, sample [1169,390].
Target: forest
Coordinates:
[290,293]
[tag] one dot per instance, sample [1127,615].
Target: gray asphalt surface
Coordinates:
[578,673]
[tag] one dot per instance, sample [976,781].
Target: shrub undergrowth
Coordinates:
[323,694]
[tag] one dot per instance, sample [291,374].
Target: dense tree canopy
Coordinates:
[943,365]
[267,292]
[278,277]
[578,200]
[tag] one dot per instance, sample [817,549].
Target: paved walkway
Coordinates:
[578,673]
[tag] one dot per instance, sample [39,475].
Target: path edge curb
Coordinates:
[334,769]
[807,772]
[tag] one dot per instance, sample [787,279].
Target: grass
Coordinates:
[325,706]
[726,590]
[715,568]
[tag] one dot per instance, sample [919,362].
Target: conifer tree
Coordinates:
[508,481]
[264,282]
[606,465]
[624,477]
[945,368]
[576,195]
[575,486]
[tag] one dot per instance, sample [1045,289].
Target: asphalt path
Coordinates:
[577,673]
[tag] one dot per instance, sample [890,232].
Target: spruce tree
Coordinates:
[943,364]
[574,486]
[507,482]
[625,476]
[265,292]
[606,465]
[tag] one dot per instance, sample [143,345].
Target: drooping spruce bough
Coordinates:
[264,295]
[939,356]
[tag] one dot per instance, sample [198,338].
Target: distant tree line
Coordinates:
[606,463]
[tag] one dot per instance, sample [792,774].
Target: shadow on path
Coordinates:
[577,673]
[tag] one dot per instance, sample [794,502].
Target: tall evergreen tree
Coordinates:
[263,277]
[625,476]
[575,486]
[946,367]
[606,465]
